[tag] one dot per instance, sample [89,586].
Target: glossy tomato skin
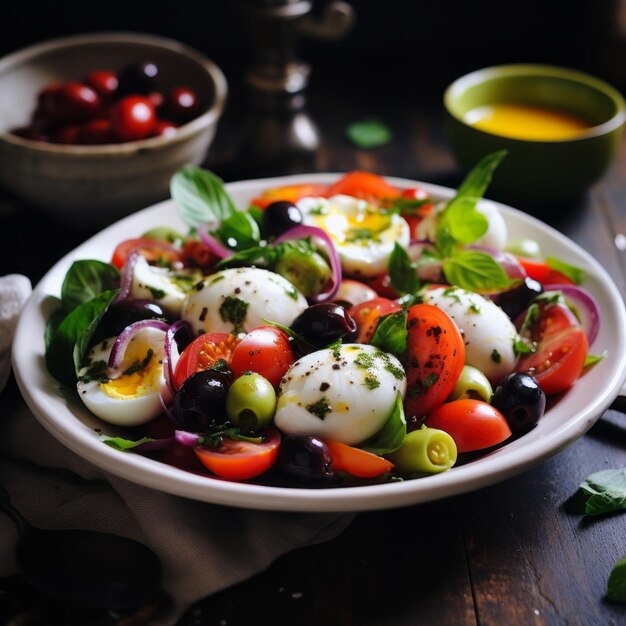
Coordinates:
[366,315]
[473,424]
[133,118]
[365,185]
[182,104]
[542,272]
[241,460]
[152,249]
[559,360]
[356,462]
[434,360]
[265,350]
[104,83]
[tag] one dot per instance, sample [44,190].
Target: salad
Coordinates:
[325,335]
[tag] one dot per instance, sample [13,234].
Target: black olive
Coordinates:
[521,400]
[201,400]
[279,217]
[120,314]
[138,78]
[516,300]
[322,324]
[304,459]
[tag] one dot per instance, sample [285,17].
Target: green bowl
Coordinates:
[537,171]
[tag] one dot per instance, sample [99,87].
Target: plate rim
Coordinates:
[165,478]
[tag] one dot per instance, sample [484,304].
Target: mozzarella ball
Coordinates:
[161,285]
[240,299]
[345,393]
[363,234]
[488,333]
[132,398]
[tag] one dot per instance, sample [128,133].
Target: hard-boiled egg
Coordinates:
[239,299]
[363,234]
[345,393]
[131,398]
[488,332]
[165,286]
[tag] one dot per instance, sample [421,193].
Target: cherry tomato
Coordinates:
[182,104]
[240,460]
[196,254]
[363,185]
[157,99]
[203,353]
[152,249]
[164,128]
[543,273]
[76,102]
[435,356]
[558,361]
[366,315]
[103,82]
[133,118]
[66,134]
[47,99]
[552,318]
[265,350]
[95,132]
[473,424]
[357,462]
[290,193]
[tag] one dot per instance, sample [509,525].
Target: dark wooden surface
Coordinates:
[512,553]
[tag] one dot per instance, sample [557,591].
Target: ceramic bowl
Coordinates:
[537,171]
[94,185]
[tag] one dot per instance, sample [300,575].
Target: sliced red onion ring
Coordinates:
[168,361]
[126,277]
[302,232]
[214,244]
[585,305]
[185,438]
[121,343]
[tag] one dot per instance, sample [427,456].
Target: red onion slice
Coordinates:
[126,276]
[168,357]
[213,244]
[302,232]
[121,343]
[185,438]
[585,305]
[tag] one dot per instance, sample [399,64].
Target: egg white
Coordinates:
[265,295]
[488,332]
[346,395]
[363,234]
[128,399]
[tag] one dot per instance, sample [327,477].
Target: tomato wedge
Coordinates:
[473,424]
[543,273]
[366,315]
[435,356]
[152,249]
[290,193]
[357,462]
[241,460]
[364,185]
[558,361]
[203,353]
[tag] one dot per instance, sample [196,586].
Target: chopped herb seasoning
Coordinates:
[96,371]
[216,279]
[157,294]
[137,366]
[319,408]
[364,360]
[318,210]
[371,382]
[451,292]
[234,310]
[473,308]
[335,348]
[496,357]
[430,380]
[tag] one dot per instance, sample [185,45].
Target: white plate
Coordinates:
[66,418]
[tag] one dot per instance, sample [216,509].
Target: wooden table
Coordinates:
[508,554]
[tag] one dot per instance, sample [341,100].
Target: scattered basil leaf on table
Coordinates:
[616,586]
[605,491]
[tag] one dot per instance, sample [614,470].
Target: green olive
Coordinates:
[472,384]
[251,402]
[307,272]
[164,233]
[528,248]
[425,451]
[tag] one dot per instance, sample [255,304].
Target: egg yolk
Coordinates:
[141,375]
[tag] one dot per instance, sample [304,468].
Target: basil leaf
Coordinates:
[390,437]
[572,272]
[402,273]
[200,196]
[616,585]
[239,231]
[475,271]
[605,491]
[368,134]
[256,255]
[69,342]
[86,279]
[119,443]
[391,333]
[476,182]
[592,359]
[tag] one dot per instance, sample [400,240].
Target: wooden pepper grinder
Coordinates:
[279,136]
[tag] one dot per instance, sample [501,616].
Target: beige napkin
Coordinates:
[203,548]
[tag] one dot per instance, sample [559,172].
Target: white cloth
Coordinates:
[203,548]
